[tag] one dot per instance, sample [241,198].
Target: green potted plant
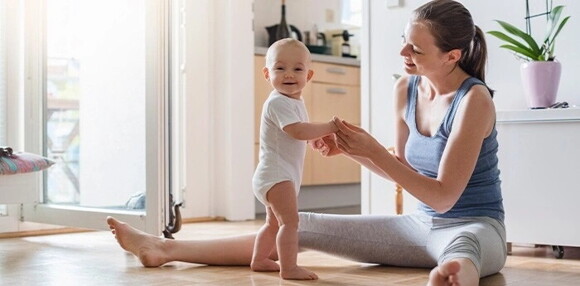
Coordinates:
[540,71]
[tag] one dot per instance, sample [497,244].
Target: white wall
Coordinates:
[301,13]
[219,109]
[387,25]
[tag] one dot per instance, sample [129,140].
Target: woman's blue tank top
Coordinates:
[482,196]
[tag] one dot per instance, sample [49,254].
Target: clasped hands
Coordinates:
[349,139]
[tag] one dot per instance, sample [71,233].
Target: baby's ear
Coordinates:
[310,74]
[266,73]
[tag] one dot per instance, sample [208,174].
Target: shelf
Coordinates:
[538,115]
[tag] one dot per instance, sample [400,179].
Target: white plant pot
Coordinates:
[540,82]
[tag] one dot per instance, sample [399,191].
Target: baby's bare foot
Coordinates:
[445,274]
[148,248]
[298,273]
[265,265]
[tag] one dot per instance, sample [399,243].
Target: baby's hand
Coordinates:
[329,148]
[317,144]
[320,146]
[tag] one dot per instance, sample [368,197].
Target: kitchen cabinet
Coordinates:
[539,160]
[334,90]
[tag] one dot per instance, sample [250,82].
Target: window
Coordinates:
[352,13]
[94,104]
[95,101]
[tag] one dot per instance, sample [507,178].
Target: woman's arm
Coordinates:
[401,130]
[400,110]
[362,147]
[473,122]
[327,147]
[364,161]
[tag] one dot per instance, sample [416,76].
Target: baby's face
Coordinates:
[290,70]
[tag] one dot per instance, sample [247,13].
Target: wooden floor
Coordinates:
[94,258]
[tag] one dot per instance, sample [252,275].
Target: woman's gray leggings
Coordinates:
[414,240]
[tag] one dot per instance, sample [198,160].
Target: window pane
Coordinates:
[95,117]
[352,13]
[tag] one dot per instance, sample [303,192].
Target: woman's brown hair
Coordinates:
[452,26]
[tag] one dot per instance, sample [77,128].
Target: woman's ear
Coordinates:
[266,73]
[454,55]
[310,74]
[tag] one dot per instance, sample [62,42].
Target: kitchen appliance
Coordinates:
[272,31]
[282,30]
[320,46]
[340,45]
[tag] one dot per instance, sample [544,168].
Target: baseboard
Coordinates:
[43,232]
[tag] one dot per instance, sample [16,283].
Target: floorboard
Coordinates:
[94,258]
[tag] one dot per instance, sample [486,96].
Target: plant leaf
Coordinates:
[510,40]
[551,43]
[553,19]
[559,29]
[521,34]
[523,52]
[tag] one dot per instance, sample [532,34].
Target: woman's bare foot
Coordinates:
[265,265]
[148,248]
[298,273]
[445,274]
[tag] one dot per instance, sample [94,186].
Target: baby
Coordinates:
[284,131]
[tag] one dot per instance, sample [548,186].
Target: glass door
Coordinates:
[101,93]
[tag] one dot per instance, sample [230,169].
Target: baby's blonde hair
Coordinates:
[287,42]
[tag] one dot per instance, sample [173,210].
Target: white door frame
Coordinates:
[157,101]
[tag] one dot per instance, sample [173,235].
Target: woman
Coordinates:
[445,156]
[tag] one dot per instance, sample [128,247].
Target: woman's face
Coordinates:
[420,54]
[290,71]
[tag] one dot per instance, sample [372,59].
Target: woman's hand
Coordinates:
[354,140]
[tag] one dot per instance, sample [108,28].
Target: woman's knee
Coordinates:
[480,247]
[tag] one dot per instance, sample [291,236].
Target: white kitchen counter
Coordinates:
[320,58]
[539,115]
[539,161]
